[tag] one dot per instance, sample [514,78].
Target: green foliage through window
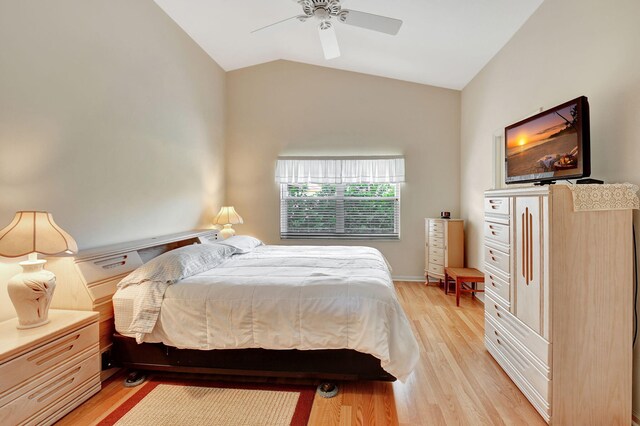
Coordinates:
[340,211]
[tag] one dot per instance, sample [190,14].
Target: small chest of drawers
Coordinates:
[444,246]
[48,371]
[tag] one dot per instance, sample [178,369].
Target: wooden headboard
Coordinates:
[87,281]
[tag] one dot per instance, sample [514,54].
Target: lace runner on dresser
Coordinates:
[615,196]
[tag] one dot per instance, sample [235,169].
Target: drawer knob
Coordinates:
[493,284]
[496,333]
[498,340]
[493,258]
[496,306]
[498,314]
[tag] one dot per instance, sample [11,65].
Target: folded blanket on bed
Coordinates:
[156,275]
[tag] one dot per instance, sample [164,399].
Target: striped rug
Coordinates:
[164,402]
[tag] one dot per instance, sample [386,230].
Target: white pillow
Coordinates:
[178,264]
[243,243]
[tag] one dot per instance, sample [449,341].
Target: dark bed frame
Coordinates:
[327,364]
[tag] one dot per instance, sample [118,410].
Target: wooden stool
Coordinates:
[461,276]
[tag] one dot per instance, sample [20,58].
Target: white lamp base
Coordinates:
[31,292]
[227,231]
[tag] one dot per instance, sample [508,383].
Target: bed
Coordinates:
[254,309]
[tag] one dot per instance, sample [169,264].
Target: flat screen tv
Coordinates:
[549,146]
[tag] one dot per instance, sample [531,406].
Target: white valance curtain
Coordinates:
[297,170]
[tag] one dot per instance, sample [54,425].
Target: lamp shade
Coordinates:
[226,216]
[35,232]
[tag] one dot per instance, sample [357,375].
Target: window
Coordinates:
[340,210]
[337,198]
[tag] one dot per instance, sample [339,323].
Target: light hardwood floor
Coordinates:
[456,381]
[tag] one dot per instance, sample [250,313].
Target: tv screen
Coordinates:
[549,146]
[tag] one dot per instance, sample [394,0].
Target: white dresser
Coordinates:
[444,246]
[558,305]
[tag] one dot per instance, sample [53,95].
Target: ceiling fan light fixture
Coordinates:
[325,10]
[334,7]
[325,25]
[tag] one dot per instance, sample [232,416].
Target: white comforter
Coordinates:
[287,297]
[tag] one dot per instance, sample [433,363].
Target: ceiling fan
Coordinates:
[329,11]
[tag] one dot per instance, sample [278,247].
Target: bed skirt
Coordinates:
[326,364]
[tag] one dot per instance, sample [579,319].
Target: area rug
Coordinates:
[165,402]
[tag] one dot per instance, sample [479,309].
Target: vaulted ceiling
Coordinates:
[442,42]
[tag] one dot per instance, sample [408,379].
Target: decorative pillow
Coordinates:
[178,264]
[242,243]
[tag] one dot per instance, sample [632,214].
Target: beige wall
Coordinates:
[286,108]
[566,49]
[111,118]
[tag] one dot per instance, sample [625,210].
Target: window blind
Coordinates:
[345,210]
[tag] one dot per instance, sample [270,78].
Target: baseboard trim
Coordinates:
[415,278]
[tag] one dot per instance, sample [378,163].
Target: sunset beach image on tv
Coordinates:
[545,146]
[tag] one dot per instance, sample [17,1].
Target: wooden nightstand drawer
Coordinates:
[32,364]
[47,371]
[78,376]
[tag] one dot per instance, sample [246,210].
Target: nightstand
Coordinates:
[46,372]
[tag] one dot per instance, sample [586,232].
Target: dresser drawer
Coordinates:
[497,259]
[38,361]
[437,259]
[530,369]
[541,404]
[436,242]
[436,234]
[436,227]
[436,251]
[435,269]
[496,205]
[51,391]
[497,232]
[497,286]
[528,338]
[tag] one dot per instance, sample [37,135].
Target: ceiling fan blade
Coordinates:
[370,21]
[275,23]
[329,42]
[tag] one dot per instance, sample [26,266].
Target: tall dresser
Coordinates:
[558,303]
[444,246]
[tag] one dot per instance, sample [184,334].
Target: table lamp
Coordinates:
[227,216]
[31,291]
